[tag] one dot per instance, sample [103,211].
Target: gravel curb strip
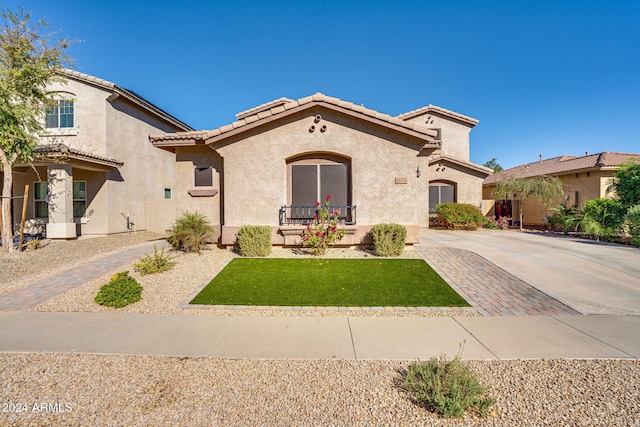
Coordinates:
[108,390]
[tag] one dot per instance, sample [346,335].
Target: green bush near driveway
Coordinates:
[121,291]
[388,239]
[460,216]
[254,240]
[329,282]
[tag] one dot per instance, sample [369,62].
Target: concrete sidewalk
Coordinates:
[508,337]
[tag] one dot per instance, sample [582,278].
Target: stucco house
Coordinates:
[273,163]
[95,171]
[583,178]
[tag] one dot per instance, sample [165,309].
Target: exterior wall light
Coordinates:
[418,172]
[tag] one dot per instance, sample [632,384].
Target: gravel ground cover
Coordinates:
[115,390]
[107,390]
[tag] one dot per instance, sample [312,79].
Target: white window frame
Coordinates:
[58,107]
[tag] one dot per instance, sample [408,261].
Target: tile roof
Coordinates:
[443,111]
[62,150]
[469,165]
[282,107]
[564,164]
[132,96]
[264,107]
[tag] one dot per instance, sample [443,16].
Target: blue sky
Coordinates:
[544,77]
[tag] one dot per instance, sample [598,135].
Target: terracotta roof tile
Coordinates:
[435,109]
[265,106]
[563,164]
[49,150]
[280,106]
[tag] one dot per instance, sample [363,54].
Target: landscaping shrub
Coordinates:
[564,218]
[156,263]
[499,223]
[323,232]
[447,387]
[633,223]
[460,216]
[388,239]
[122,290]
[190,232]
[603,218]
[254,240]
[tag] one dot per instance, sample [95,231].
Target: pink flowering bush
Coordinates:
[323,232]
[499,223]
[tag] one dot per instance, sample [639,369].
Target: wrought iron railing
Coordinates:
[300,215]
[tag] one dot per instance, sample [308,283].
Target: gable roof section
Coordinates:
[130,95]
[439,110]
[264,107]
[564,165]
[468,165]
[277,109]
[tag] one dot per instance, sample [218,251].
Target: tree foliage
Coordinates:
[29,60]
[544,189]
[493,164]
[627,183]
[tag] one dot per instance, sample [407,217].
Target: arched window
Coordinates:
[441,192]
[311,178]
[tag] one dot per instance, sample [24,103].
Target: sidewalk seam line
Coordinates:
[353,344]
[455,319]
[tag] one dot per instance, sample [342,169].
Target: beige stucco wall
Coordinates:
[255,172]
[186,159]
[468,183]
[454,134]
[256,168]
[112,126]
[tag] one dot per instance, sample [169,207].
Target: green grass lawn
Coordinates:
[329,282]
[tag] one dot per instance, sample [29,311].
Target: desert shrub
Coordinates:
[156,263]
[499,223]
[603,218]
[254,240]
[388,239]
[460,216]
[34,244]
[190,232]
[122,290]
[633,224]
[446,387]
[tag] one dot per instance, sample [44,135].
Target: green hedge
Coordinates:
[460,216]
[388,239]
[122,290]
[254,240]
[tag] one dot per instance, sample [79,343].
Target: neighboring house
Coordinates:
[271,165]
[583,177]
[94,171]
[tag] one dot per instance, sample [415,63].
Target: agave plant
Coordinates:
[190,232]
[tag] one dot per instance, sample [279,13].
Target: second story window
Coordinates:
[60,114]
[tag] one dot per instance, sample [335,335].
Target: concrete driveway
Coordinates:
[590,277]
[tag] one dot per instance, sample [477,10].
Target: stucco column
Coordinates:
[60,225]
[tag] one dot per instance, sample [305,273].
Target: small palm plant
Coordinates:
[190,232]
[566,217]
